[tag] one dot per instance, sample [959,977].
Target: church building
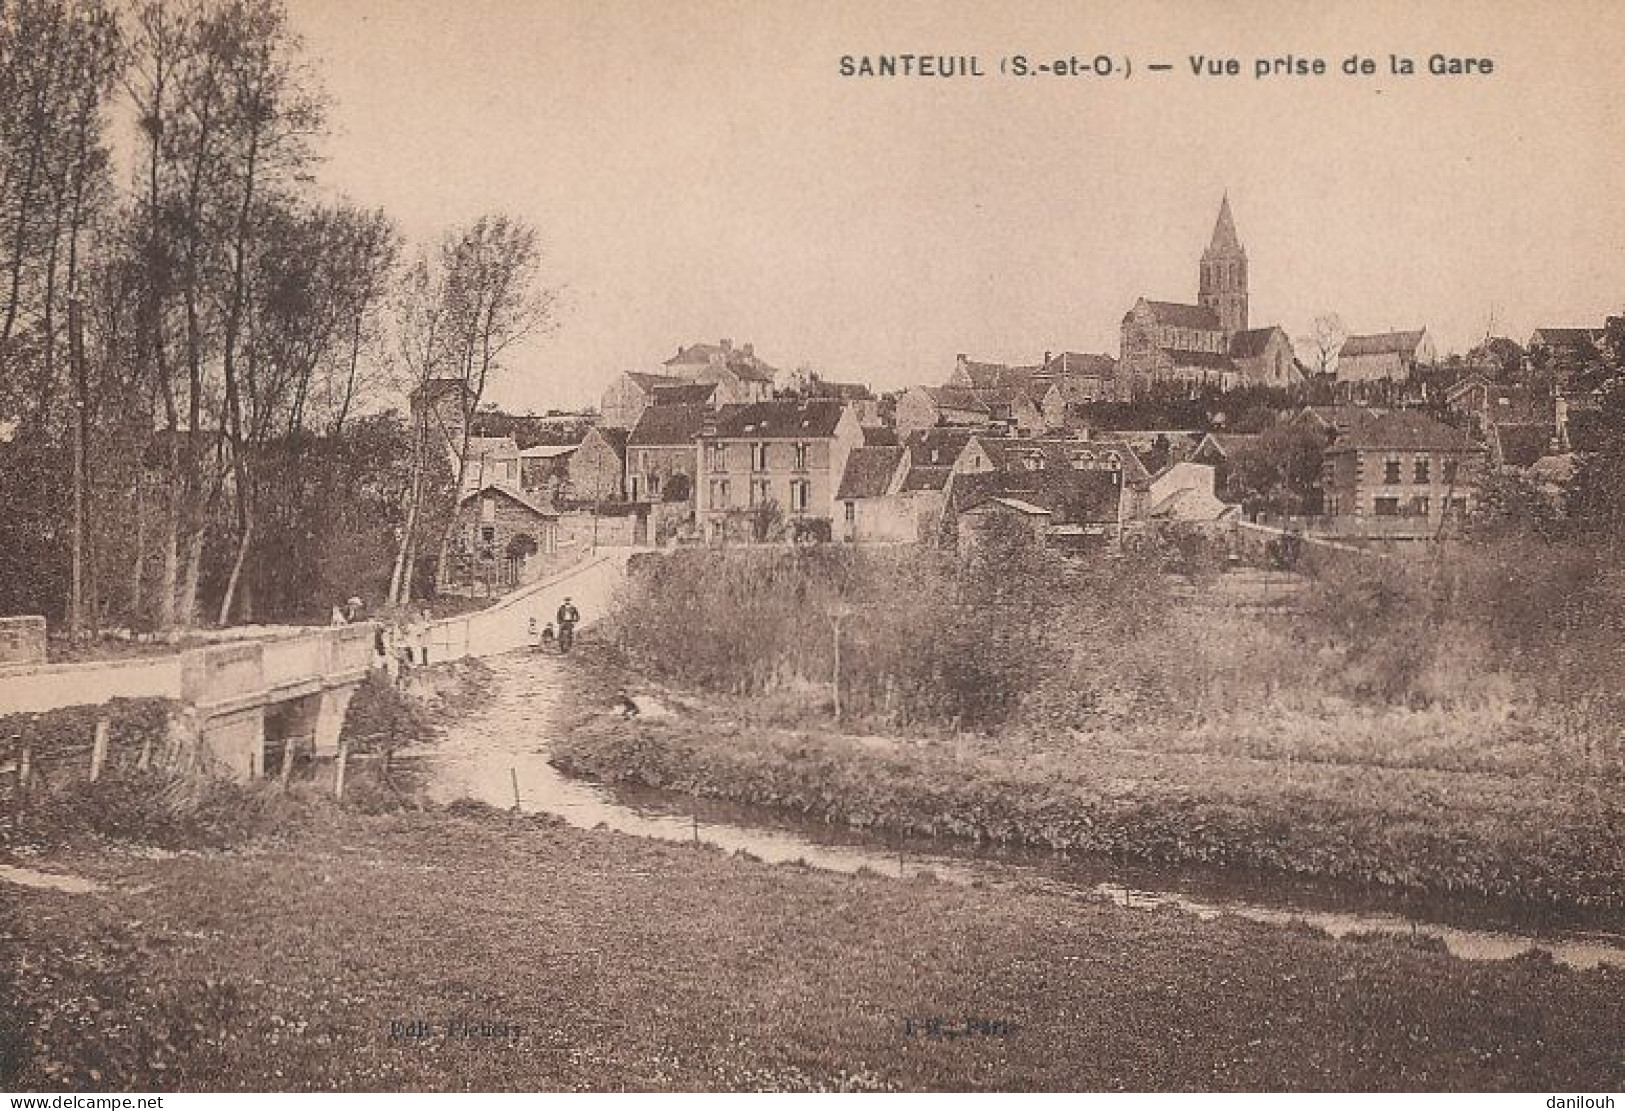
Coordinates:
[1189,347]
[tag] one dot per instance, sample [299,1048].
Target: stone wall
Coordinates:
[22,640]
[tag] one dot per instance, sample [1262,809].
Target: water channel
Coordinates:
[501,755]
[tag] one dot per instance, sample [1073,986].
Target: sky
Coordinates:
[699,169]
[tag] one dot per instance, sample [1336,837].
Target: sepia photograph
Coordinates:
[762,546]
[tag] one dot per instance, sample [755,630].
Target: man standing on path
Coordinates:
[568,618]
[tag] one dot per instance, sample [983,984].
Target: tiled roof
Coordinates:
[1014,455]
[650,382]
[1184,316]
[1383,343]
[1566,337]
[1070,364]
[1251,343]
[877,436]
[615,438]
[937,447]
[926,478]
[737,359]
[1073,497]
[668,425]
[998,375]
[782,420]
[1403,431]
[869,471]
[1341,418]
[509,493]
[682,393]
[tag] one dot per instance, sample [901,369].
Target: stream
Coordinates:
[500,756]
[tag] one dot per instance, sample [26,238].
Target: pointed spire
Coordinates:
[1224,232]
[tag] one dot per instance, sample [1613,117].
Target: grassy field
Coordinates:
[599,961]
[1356,799]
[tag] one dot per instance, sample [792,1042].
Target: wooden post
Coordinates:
[98,749]
[338,776]
[25,770]
[513,774]
[286,770]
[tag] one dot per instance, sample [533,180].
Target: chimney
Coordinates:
[1047,357]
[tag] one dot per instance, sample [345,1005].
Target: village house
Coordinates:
[923,407]
[1069,381]
[597,468]
[740,377]
[872,506]
[634,391]
[1034,467]
[1060,507]
[1402,465]
[662,453]
[855,395]
[1384,357]
[1186,492]
[544,470]
[772,458]
[1332,421]
[497,539]
[1264,357]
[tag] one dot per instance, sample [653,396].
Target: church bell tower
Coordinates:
[1223,286]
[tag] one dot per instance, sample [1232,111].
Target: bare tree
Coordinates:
[1324,340]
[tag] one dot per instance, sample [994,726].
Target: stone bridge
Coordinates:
[226,695]
[232,698]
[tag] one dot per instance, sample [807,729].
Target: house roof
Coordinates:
[1070,364]
[650,382]
[1340,418]
[1228,443]
[1520,444]
[879,436]
[1252,342]
[840,391]
[1403,431]
[954,397]
[1381,343]
[682,393]
[926,478]
[668,425]
[548,451]
[1071,496]
[998,375]
[869,472]
[937,447]
[511,494]
[741,360]
[780,420]
[1565,337]
[1025,508]
[1015,455]
[1172,313]
[615,438]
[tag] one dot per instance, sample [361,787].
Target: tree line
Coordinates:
[196,349]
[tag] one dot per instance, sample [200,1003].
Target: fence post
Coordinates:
[338,776]
[98,749]
[25,770]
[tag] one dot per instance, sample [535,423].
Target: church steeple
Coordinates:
[1223,282]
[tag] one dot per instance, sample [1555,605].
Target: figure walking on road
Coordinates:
[568,618]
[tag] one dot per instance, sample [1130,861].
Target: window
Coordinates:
[635,483]
[1457,506]
[851,512]
[761,491]
[719,456]
[801,457]
[1422,470]
[488,535]
[1420,507]
[1450,466]
[488,509]
[654,486]
[719,493]
[800,495]
[1390,472]
[758,457]
[1387,507]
